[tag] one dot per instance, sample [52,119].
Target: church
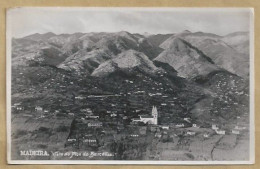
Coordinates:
[150,119]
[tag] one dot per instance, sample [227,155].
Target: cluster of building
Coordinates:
[237,130]
[92,120]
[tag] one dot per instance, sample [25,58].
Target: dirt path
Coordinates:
[211,153]
[239,152]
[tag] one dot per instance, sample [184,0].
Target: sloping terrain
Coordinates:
[188,61]
[230,52]
[239,41]
[166,66]
[126,60]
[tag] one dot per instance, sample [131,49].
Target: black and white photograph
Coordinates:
[96,85]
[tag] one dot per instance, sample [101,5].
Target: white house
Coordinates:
[165,127]
[80,97]
[72,139]
[88,135]
[90,141]
[95,124]
[92,117]
[158,135]
[71,114]
[221,132]
[214,127]
[186,119]
[195,125]
[38,108]
[19,108]
[206,135]
[17,104]
[191,133]
[235,132]
[113,115]
[179,125]
[88,110]
[240,128]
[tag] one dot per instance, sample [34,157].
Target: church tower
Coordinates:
[155,115]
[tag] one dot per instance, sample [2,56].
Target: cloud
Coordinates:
[220,21]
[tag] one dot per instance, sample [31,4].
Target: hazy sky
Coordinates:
[25,21]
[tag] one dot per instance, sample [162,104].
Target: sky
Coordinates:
[222,21]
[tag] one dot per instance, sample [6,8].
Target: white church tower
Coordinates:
[155,115]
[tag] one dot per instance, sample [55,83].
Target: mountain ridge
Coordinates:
[182,73]
[86,51]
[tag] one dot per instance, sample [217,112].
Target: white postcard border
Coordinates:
[139,162]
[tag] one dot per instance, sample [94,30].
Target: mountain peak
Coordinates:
[146,34]
[187,60]
[237,34]
[49,34]
[186,31]
[39,37]
[126,60]
[177,44]
[124,33]
[172,42]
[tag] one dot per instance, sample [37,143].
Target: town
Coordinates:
[129,129]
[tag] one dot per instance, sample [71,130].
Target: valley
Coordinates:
[86,92]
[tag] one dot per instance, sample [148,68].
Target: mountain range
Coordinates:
[205,72]
[190,54]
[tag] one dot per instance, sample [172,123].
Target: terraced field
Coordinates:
[35,134]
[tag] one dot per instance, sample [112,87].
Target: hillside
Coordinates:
[239,41]
[141,70]
[126,60]
[187,60]
[230,52]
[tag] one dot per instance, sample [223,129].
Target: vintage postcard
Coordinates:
[130,85]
